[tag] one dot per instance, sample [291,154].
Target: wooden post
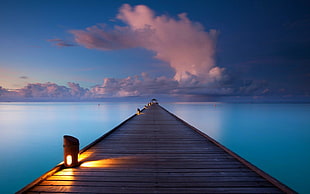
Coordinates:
[71,151]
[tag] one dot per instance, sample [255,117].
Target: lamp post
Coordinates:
[71,151]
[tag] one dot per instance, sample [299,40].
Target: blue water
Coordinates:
[274,137]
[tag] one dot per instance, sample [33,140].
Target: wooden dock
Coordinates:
[156,152]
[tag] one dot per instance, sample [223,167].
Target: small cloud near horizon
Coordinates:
[61,43]
[24,77]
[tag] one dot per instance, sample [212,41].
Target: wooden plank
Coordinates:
[157,179]
[180,170]
[124,189]
[163,185]
[168,174]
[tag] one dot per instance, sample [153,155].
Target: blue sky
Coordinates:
[252,49]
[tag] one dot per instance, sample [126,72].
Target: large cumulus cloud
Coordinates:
[181,43]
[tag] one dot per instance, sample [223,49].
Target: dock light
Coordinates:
[71,151]
[138,111]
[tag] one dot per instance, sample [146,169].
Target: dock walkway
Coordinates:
[156,152]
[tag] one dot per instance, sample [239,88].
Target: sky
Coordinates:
[189,50]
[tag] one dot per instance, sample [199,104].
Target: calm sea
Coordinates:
[274,137]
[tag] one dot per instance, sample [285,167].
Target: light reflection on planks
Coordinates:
[109,162]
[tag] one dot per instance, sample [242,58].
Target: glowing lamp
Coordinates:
[71,151]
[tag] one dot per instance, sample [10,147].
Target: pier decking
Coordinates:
[155,152]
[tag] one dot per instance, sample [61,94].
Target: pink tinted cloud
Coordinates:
[98,37]
[183,44]
[141,85]
[52,91]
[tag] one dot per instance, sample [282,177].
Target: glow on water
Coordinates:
[274,137]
